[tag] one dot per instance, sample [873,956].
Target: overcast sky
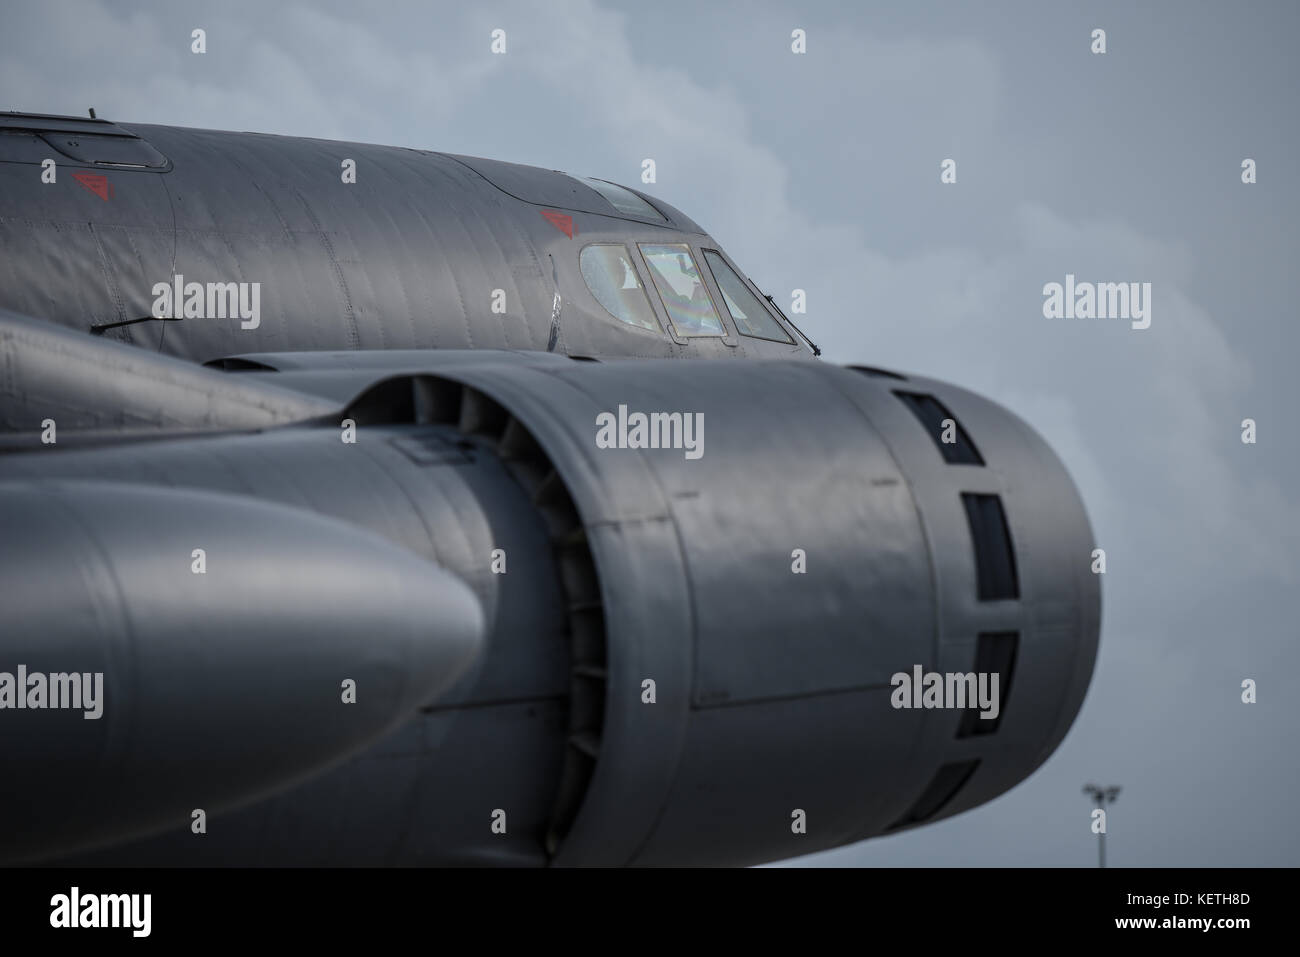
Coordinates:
[821,171]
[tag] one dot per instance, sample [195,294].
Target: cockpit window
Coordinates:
[683,292]
[103,150]
[624,200]
[748,313]
[609,274]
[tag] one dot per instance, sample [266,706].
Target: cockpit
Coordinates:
[681,285]
[612,276]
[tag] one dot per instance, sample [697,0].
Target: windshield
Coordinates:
[684,295]
[748,313]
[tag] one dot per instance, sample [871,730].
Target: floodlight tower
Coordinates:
[1102,796]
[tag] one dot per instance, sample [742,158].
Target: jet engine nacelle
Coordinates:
[832,529]
[721,575]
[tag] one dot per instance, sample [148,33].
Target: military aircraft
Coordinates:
[375,506]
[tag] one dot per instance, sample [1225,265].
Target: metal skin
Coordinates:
[407,257]
[613,656]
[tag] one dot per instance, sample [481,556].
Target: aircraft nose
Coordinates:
[171,650]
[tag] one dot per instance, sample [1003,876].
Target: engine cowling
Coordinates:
[689,655]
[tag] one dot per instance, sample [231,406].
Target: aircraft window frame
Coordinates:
[630,263]
[85,149]
[749,287]
[610,191]
[724,332]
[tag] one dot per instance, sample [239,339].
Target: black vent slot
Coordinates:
[484,423]
[389,402]
[995,559]
[931,412]
[995,653]
[878,373]
[947,782]
[407,400]
[236,364]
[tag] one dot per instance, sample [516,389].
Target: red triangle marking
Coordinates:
[97,183]
[561,221]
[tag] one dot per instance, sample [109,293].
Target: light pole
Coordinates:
[1102,796]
